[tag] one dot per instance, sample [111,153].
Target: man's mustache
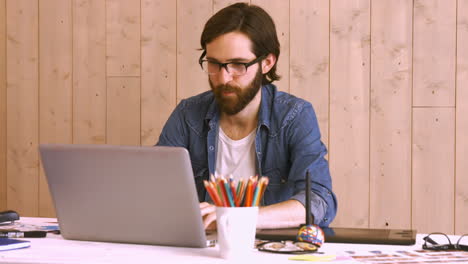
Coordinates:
[227,88]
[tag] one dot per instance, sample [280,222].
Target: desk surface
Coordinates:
[55,249]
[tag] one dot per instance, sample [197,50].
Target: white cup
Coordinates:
[236,231]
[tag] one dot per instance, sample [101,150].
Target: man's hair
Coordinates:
[250,20]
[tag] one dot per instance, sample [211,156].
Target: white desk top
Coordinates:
[55,249]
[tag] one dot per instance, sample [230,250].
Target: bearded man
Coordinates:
[244,126]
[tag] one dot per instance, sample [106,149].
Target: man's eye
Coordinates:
[237,65]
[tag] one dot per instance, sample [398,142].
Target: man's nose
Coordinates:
[224,76]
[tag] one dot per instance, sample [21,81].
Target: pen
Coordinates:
[308,213]
[18,234]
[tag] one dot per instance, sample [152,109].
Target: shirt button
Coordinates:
[283,180]
[211,148]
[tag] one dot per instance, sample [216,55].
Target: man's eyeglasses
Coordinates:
[440,241]
[233,68]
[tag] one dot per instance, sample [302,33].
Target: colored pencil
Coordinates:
[258,191]
[223,191]
[229,193]
[248,194]
[262,191]
[211,191]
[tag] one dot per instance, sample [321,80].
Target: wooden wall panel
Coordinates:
[220,4]
[55,85]
[3,113]
[158,80]
[22,107]
[89,72]
[349,109]
[434,52]
[191,19]
[433,169]
[390,120]
[309,57]
[123,37]
[132,62]
[279,11]
[123,111]
[461,180]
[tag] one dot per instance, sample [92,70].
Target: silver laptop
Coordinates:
[142,195]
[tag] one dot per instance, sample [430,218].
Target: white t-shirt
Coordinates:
[235,157]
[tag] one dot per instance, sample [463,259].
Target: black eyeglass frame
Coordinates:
[441,247]
[224,65]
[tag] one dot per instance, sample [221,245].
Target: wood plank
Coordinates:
[22,107]
[89,72]
[390,142]
[55,85]
[159,69]
[3,113]
[433,169]
[461,180]
[191,19]
[434,52]
[123,111]
[279,11]
[349,109]
[309,56]
[220,4]
[123,38]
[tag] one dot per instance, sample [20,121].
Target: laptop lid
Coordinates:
[143,195]
[348,235]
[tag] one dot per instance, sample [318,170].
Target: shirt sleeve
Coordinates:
[318,206]
[307,153]
[174,132]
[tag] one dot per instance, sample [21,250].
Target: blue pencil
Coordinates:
[229,193]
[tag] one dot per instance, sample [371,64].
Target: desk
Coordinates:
[55,249]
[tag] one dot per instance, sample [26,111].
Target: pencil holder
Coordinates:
[236,231]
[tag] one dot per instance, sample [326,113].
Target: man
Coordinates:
[244,126]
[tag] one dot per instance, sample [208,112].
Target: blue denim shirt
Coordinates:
[287,144]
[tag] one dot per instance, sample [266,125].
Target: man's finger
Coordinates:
[208,219]
[207,209]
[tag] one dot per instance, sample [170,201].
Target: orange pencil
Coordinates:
[213,182]
[257,191]
[248,194]
[263,183]
[214,196]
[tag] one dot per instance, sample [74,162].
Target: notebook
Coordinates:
[348,235]
[9,244]
[142,195]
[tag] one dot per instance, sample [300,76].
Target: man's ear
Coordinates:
[268,63]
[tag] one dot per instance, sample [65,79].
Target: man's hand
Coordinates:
[208,215]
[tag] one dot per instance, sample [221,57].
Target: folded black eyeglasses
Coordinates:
[440,241]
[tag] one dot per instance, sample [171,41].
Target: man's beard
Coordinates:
[232,105]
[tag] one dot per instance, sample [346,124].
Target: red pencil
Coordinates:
[233,191]
[223,191]
[214,196]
